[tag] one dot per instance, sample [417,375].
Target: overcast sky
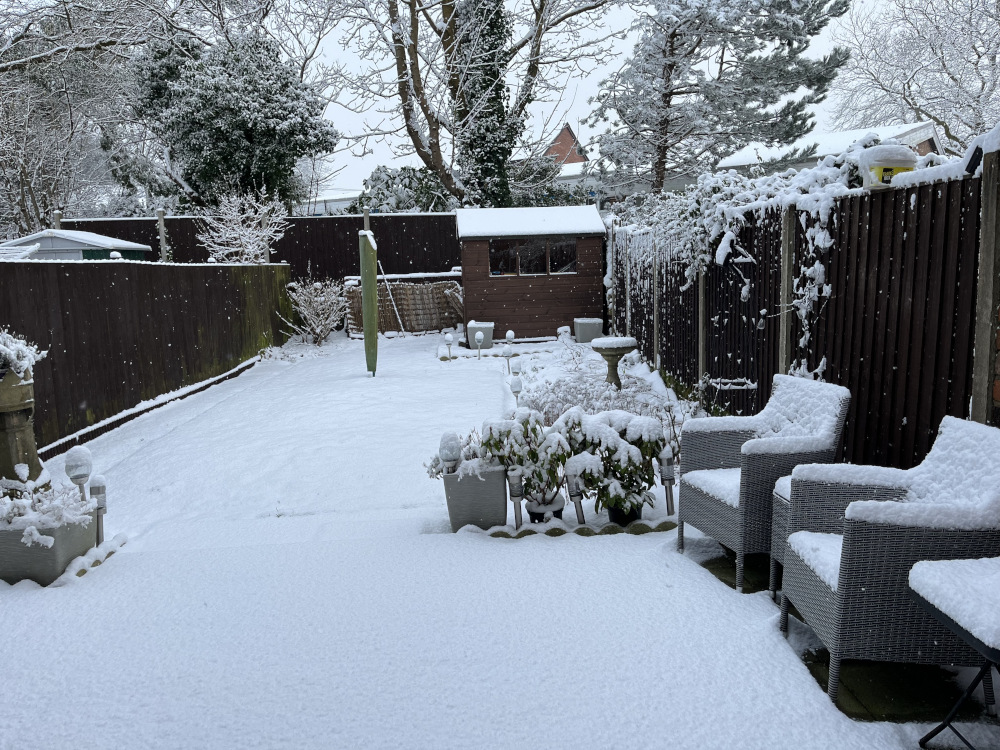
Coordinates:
[574,109]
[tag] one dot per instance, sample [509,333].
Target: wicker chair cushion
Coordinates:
[722,484]
[783,488]
[961,468]
[800,407]
[821,552]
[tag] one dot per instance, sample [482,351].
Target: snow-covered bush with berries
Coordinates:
[17,355]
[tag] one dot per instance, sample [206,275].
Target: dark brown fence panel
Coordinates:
[896,329]
[743,333]
[326,245]
[678,309]
[121,333]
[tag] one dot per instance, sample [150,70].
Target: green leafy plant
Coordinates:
[525,442]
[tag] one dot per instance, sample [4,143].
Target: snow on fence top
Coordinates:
[486,223]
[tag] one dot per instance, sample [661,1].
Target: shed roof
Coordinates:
[486,223]
[72,236]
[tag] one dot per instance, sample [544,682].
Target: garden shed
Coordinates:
[532,270]
[67,244]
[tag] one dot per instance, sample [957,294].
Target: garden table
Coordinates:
[963,595]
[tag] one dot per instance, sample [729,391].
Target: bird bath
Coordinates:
[613,348]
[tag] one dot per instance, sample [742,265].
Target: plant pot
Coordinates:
[624,517]
[477,499]
[537,509]
[17,437]
[43,565]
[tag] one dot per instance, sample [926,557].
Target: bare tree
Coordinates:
[418,67]
[936,60]
[243,229]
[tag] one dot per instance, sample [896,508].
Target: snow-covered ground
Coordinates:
[290,582]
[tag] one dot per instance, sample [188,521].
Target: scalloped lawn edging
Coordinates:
[558,529]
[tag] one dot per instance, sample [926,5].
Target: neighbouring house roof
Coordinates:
[828,144]
[486,223]
[566,148]
[71,238]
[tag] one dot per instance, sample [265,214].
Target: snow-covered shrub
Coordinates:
[17,354]
[30,505]
[320,307]
[524,441]
[243,228]
[614,452]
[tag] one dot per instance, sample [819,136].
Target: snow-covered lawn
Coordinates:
[290,582]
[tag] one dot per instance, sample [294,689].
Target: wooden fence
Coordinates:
[898,328]
[119,333]
[325,245]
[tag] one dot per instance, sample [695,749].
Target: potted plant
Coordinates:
[613,454]
[475,486]
[42,528]
[524,442]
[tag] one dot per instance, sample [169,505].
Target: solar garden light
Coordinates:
[515,367]
[510,337]
[515,388]
[79,463]
[666,458]
[99,491]
[574,483]
[516,482]
[450,451]
[507,354]
[449,339]
[479,343]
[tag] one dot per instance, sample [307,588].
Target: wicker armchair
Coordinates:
[729,464]
[854,532]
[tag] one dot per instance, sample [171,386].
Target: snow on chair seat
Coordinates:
[801,423]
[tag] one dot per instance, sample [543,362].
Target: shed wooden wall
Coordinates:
[533,305]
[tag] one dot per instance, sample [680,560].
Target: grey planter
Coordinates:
[587,329]
[477,500]
[43,565]
[470,335]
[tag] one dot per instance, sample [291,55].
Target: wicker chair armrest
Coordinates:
[937,516]
[721,424]
[853,474]
[712,450]
[820,505]
[760,470]
[801,446]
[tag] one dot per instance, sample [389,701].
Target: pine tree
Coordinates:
[485,132]
[709,76]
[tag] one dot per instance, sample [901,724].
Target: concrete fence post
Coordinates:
[656,314]
[786,317]
[702,327]
[985,378]
[57,219]
[161,226]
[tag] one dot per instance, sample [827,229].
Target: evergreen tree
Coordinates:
[235,118]
[485,133]
[709,76]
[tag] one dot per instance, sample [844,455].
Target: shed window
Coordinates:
[532,256]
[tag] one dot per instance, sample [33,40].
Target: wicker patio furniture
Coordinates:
[729,464]
[854,532]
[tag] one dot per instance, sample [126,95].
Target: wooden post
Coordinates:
[984,377]
[161,227]
[57,219]
[788,219]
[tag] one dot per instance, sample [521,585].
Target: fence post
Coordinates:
[788,219]
[161,227]
[702,328]
[57,219]
[656,314]
[985,380]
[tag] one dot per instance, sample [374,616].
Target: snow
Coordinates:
[85,238]
[827,144]
[783,487]
[723,484]
[614,342]
[878,476]
[821,552]
[371,238]
[968,591]
[485,223]
[290,581]
[886,154]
